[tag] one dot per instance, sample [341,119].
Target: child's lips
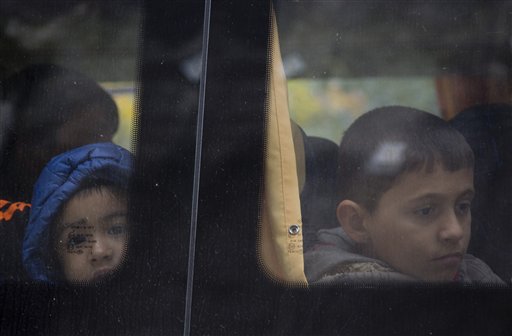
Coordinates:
[451,259]
[101,273]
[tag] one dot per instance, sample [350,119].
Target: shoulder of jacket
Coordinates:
[363,273]
[478,271]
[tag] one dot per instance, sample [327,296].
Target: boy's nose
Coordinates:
[452,229]
[100,249]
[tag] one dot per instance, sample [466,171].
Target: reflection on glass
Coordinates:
[54,109]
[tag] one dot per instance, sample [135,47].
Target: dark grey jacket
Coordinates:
[334,259]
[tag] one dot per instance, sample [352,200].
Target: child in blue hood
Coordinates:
[78,229]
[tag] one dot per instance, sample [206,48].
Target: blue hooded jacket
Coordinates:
[58,182]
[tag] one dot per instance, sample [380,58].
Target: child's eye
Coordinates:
[463,208]
[425,211]
[116,230]
[75,239]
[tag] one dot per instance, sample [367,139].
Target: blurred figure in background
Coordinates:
[46,110]
[488,130]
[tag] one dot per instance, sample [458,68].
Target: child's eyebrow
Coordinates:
[76,224]
[470,192]
[113,215]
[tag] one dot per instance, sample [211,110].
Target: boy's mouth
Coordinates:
[101,273]
[449,259]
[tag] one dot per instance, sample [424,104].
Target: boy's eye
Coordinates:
[425,211]
[464,208]
[116,230]
[75,239]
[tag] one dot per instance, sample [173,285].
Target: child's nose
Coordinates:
[452,229]
[100,249]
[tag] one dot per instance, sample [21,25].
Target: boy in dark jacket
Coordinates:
[78,230]
[405,182]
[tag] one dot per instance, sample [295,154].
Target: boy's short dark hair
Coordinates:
[94,184]
[386,142]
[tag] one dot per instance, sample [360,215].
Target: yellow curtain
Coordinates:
[281,231]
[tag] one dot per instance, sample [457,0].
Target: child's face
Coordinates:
[92,236]
[422,225]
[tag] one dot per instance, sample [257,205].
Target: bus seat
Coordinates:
[488,130]
[318,197]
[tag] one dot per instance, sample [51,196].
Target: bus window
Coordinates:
[96,98]
[195,84]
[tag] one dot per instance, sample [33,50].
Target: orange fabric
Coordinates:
[281,251]
[10,208]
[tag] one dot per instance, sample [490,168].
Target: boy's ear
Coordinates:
[351,217]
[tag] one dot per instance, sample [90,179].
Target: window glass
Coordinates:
[326,107]
[341,59]
[110,91]
[451,60]
[68,75]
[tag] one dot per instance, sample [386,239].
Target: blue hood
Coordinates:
[58,181]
